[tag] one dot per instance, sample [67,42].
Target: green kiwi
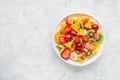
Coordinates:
[92,41]
[100,38]
[90,33]
[89,55]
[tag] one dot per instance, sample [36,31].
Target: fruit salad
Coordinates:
[78,38]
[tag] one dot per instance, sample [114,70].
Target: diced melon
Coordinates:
[88,25]
[62,26]
[56,37]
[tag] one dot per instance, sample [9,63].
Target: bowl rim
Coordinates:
[67,61]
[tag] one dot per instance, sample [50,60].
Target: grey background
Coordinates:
[26,51]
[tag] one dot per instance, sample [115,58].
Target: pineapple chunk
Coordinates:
[75,27]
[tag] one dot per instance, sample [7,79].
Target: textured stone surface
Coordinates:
[26,51]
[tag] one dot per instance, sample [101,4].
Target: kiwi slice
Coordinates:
[89,55]
[92,41]
[100,38]
[90,33]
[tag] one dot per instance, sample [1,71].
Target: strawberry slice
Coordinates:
[68,21]
[83,56]
[67,30]
[62,39]
[94,36]
[66,54]
[73,32]
[88,46]
[77,39]
[84,38]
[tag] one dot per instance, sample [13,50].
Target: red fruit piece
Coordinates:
[94,36]
[66,53]
[83,56]
[62,39]
[68,22]
[67,30]
[77,39]
[73,32]
[95,27]
[78,46]
[88,46]
[85,38]
[68,37]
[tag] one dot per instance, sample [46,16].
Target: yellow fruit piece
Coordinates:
[75,27]
[96,49]
[84,19]
[82,32]
[56,37]
[80,60]
[75,19]
[88,25]
[71,49]
[62,26]
[68,44]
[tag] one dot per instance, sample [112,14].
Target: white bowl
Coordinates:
[89,61]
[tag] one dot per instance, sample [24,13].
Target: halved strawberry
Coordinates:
[67,30]
[88,46]
[66,54]
[62,39]
[84,38]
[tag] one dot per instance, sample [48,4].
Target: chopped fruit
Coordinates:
[78,38]
[95,27]
[68,37]
[85,38]
[80,60]
[73,32]
[68,44]
[94,36]
[56,37]
[78,46]
[66,30]
[88,25]
[75,27]
[83,56]
[62,26]
[84,19]
[88,46]
[82,32]
[74,56]
[66,54]
[62,39]
[96,48]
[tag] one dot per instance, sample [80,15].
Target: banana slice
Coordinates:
[74,56]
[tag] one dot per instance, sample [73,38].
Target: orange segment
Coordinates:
[84,19]
[56,37]
[62,26]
